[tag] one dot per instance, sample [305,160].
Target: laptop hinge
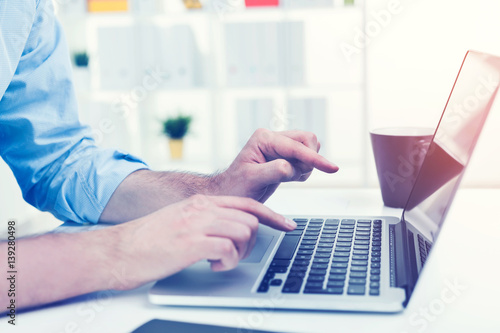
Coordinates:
[399,256]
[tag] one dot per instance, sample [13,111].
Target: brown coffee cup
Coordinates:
[399,153]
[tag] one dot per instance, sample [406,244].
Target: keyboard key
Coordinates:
[361,242]
[278,269]
[330,228]
[339,265]
[299,269]
[276,282]
[344,239]
[356,290]
[322,255]
[375,254]
[294,233]
[375,271]
[348,222]
[305,252]
[321,260]
[263,288]
[333,284]
[359,263]
[310,237]
[297,274]
[315,220]
[319,266]
[375,278]
[308,242]
[360,252]
[343,249]
[279,262]
[312,233]
[357,281]
[375,259]
[336,277]
[332,291]
[358,269]
[325,245]
[313,285]
[376,248]
[374,292]
[351,227]
[374,285]
[343,244]
[324,249]
[318,278]
[341,254]
[363,238]
[340,259]
[303,257]
[306,247]
[321,272]
[357,274]
[376,243]
[332,222]
[287,247]
[338,271]
[300,220]
[301,263]
[359,257]
[361,247]
[375,265]
[292,285]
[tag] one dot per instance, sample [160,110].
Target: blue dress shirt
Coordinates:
[53,157]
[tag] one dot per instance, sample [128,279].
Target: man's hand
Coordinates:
[270,158]
[220,229]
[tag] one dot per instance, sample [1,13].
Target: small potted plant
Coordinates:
[175,128]
[81,59]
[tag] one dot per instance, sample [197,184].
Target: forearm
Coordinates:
[58,266]
[146,191]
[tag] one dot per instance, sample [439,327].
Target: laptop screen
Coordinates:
[450,150]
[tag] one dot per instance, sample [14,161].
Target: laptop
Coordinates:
[354,263]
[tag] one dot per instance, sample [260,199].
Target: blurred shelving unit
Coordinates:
[233,68]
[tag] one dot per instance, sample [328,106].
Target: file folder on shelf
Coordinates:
[107,6]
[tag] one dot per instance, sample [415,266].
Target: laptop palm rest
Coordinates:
[200,280]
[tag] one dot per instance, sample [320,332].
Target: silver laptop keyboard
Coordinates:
[329,256]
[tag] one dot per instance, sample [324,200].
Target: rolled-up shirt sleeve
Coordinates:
[52,155]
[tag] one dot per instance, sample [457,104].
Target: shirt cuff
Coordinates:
[86,196]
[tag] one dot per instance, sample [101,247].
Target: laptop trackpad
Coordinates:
[261,244]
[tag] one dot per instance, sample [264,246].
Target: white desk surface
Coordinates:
[466,255]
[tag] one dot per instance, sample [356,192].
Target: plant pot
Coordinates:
[176,148]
